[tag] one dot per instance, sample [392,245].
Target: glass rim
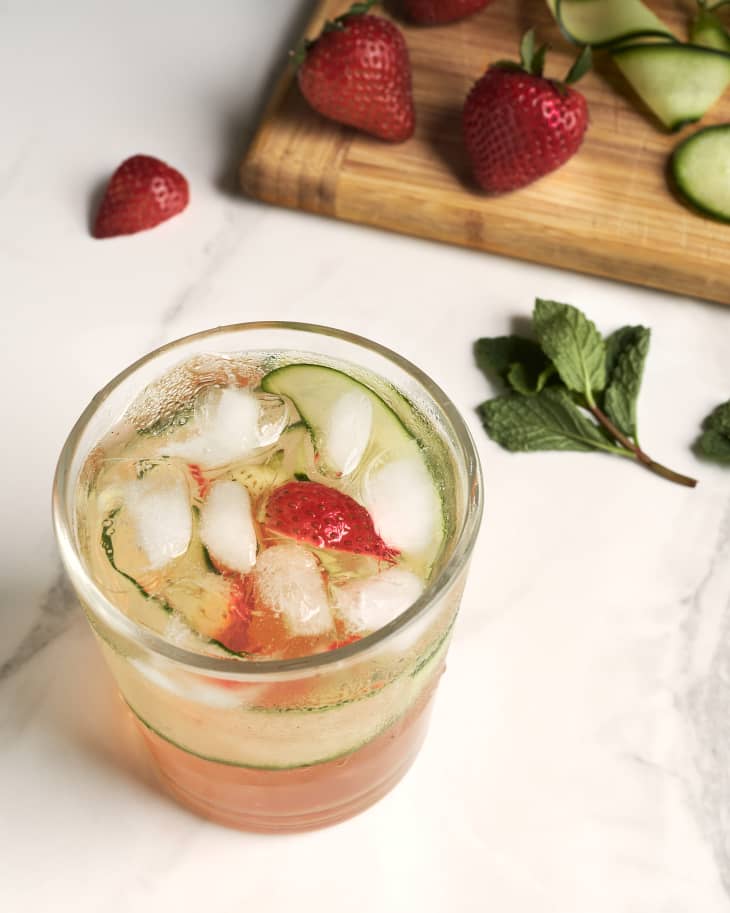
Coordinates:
[239,668]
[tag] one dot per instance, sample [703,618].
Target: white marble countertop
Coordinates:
[579,756]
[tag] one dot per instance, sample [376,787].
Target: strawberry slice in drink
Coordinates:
[325,518]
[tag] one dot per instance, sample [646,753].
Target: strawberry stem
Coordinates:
[357,9]
[532,60]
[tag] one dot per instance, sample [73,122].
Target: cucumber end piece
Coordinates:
[698,172]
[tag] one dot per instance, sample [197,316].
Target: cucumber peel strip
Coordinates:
[676,93]
[708,31]
[607,24]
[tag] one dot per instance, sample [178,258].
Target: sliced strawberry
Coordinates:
[142,192]
[235,633]
[326,518]
[200,480]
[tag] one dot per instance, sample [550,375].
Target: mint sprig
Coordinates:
[714,442]
[570,390]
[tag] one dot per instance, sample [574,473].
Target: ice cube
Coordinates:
[231,424]
[226,526]
[404,504]
[368,604]
[290,580]
[348,431]
[160,511]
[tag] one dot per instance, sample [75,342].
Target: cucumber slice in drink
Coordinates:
[279,740]
[709,32]
[678,82]
[317,393]
[701,170]
[386,461]
[607,22]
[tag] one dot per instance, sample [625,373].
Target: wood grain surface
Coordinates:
[609,211]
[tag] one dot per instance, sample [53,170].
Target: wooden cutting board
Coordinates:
[608,211]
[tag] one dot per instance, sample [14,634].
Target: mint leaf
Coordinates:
[615,345]
[719,420]
[714,442]
[626,352]
[573,344]
[515,360]
[714,445]
[549,420]
[523,381]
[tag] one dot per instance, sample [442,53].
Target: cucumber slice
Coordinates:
[678,82]
[317,392]
[700,167]
[707,31]
[242,737]
[607,22]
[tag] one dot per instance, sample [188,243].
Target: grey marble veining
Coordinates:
[53,615]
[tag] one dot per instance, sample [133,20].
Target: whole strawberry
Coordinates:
[519,126]
[326,518]
[437,12]
[358,73]
[142,192]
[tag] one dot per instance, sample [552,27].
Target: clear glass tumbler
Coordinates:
[290,744]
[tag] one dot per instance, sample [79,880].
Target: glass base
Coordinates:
[303,798]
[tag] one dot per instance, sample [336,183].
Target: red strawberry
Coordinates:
[358,73]
[326,518]
[142,192]
[519,126]
[436,12]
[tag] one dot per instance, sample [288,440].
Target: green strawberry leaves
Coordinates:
[714,442]
[572,389]
[532,59]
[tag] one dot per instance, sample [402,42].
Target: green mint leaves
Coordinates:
[714,442]
[626,352]
[517,361]
[572,389]
[549,420]
[573,344]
